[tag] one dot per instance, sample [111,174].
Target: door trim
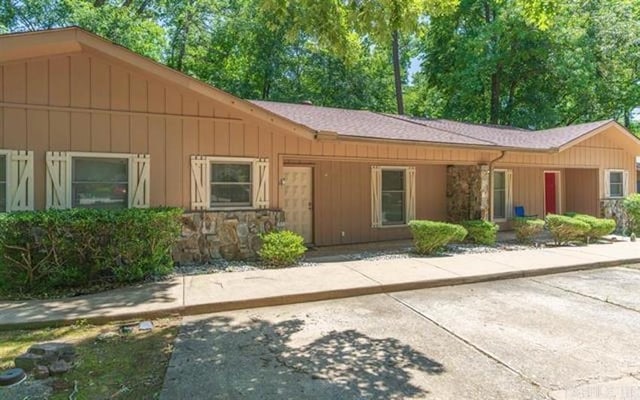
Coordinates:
[558,175]
[311,168]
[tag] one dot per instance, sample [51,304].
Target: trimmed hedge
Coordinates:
[527,228]
[430,236]
[55,249]
[281,248]
[481,232]
[566,229]
[631,206]
[598,227]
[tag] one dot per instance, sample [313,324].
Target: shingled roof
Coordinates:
[367,124]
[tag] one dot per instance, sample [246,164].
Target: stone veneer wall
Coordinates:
[230,235]
[612,208]
[467,192]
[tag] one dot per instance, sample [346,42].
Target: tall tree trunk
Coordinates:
[395,50]
[627,118]
[494,114]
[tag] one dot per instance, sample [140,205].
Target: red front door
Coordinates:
[550,193]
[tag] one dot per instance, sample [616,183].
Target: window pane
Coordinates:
[3,168]
[615,177]
[499,180]
[100,195]
[499,204]
[231,173]
[230,194]
[100,182]
[3,196]
[392,208]
[100,170]
[616,190]
[392,180]
[3,183]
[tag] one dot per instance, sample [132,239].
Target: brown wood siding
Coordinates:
[581,186]
[87,101]
[342,202]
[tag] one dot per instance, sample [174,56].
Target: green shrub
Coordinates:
[631,205]
[598,227]
[481,232]
[566,229]
[54,249]
[281,248]
[527,228]
[429,236]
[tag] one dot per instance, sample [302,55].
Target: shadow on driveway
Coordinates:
[219,358]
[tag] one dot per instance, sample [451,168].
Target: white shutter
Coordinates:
[625,183]
[411,193]
[508,176]
[58,179]
[199,183]
[607,184]
[139,170]
[376,204]
[261,183]
[20,181]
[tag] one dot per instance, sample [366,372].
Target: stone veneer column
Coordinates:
[230,235]
[467,192]
[612,208]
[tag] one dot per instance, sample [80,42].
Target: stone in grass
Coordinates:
[52,348]
[104,336]
[28,361]
[145,326]
[41,372]
[59,367]
[53,351]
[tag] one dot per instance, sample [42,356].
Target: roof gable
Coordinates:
[25,45]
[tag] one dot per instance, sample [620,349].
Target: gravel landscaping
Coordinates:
[407,251]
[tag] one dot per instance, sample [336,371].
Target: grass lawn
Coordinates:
[126,366]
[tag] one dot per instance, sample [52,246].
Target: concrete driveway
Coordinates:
[568,336]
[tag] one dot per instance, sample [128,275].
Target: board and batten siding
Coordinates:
[342,202]
[89,102]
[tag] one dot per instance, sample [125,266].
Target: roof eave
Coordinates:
[444,144]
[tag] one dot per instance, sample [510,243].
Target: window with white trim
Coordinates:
[499,194]
[501,199]
[3,183]
[392,196]
[615,183]
[229,182]
[97,180]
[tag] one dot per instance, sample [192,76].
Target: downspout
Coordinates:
[490,194]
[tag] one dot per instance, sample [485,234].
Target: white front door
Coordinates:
[298,210]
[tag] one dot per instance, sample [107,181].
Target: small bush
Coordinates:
[527,228]
[481,232]
[429,236]
[566,229]
[281,248]
[599,227]
[631,205]
[55,249]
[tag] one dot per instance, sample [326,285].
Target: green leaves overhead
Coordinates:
[528,63]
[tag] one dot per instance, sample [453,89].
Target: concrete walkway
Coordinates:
[198,294]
